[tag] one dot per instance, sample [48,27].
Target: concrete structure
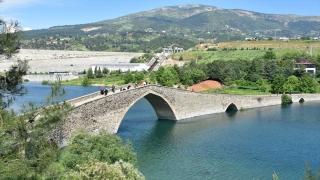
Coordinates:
[171,50]
[156,61]
[95,111]
[124,67]
[308,66]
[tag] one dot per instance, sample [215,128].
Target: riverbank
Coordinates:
[65,61]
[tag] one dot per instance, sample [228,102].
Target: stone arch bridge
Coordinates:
[95,111]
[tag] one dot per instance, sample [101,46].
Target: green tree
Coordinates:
[11,81]
[85,81]
[152,77]
[272,69]
[169,77]
[25,150]
[105,71]
[10,35]
[90,73]
[98,73]
[198,75]
[128,77]
[139,76]
[278,83]
[269,55]
[308,84]
[291,84]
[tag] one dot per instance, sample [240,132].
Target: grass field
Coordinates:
[106,81]
[279,47]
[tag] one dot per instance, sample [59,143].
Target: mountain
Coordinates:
[194,22]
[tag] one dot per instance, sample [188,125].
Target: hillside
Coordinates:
[196,23]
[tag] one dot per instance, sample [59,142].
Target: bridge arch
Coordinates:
[232,107]
[162,107]
[301,100]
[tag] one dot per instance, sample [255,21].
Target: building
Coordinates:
[308,66]
[124,67]
[171,50]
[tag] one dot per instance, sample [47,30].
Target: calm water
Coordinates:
[251,144]
[37,93]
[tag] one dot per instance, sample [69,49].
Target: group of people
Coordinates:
[105,91]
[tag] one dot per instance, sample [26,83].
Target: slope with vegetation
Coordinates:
[27,152]
[197,23]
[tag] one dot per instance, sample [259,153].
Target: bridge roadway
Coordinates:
[95,111]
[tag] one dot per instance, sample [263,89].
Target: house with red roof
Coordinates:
[308,66]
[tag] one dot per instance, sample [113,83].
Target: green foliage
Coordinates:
[193,77]
[25,150]
[98,73]
[139,76]
[134,60]
[9,38]
[45,82]
[308,84]
[105,71]
[90,73]
[278,83]
[167,76]
[104,147]
[152,77]
[181,58]
[85,81]
[309,175]
[128,77]
[95,170]
[11,83]
[286,99]
[269,55]
[291,84]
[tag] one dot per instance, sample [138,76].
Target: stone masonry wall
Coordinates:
[96,111]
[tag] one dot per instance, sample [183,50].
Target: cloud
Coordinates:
[26,29]
[8,4]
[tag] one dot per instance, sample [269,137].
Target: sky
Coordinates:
[41,14]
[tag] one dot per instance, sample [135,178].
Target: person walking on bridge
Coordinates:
[106,91]
[113,88]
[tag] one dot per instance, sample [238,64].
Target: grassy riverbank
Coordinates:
[105,81]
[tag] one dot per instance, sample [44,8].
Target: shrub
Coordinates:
[45,82]
[286,99]
[85,81]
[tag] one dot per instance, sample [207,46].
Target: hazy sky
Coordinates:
[38,14]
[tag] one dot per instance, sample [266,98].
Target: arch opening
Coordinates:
[161,107]
[301,100]
[231,108]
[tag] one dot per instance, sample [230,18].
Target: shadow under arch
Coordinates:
[301,100]
[161,106]
[232,108]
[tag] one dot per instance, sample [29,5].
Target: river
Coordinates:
[249,144]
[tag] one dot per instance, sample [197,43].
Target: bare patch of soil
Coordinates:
[208,84]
